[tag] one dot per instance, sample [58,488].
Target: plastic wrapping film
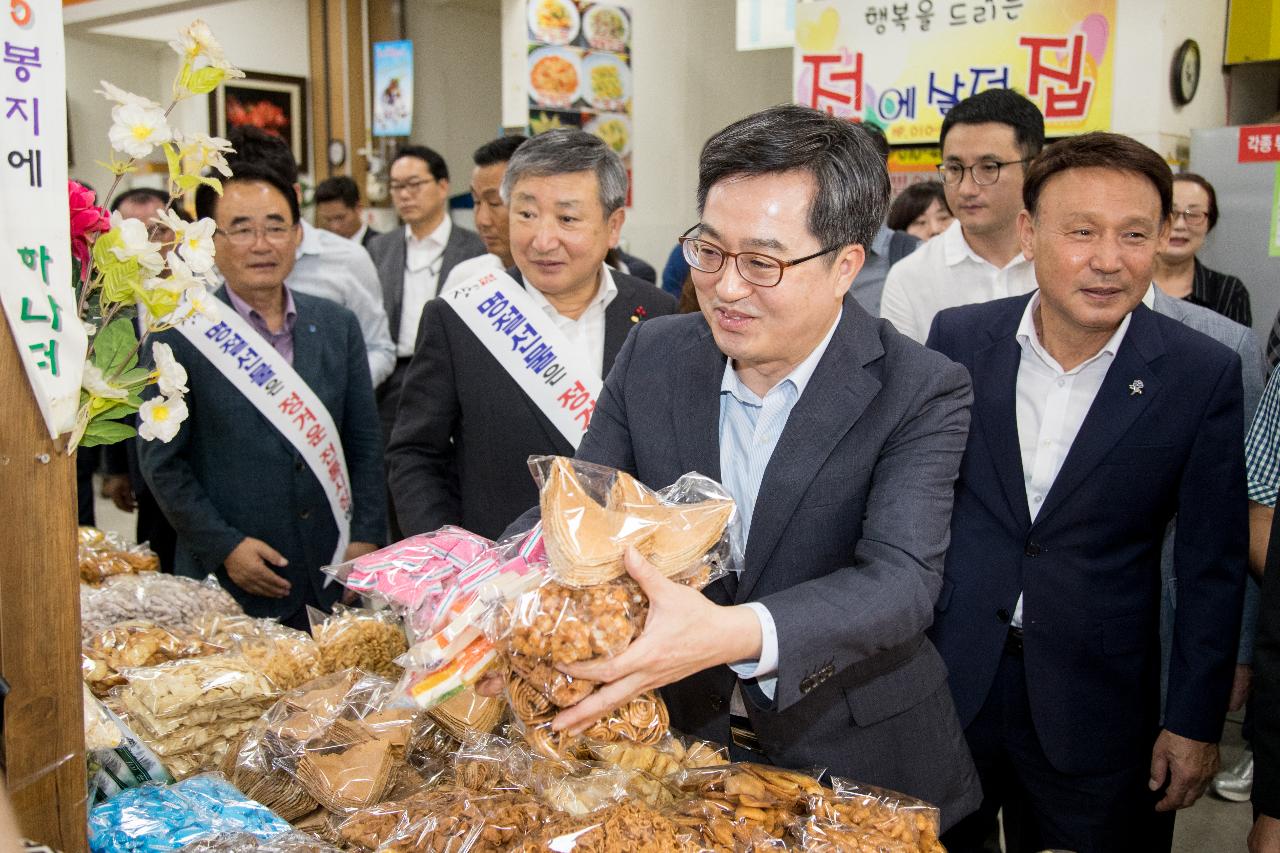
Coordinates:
[853,816]
[287,657]
[103,555]
[137,643]
[289,842]
[115,757]
[168,600]
[629,826]
[352,638]
[740,804]
[168,817]
[457,650]
[413,577]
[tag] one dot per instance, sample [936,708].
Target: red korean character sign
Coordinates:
[35,248]
[1259,143]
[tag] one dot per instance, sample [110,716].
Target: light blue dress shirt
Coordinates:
[750,427]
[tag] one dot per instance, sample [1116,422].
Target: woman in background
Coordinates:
[920,210]
[1177,270]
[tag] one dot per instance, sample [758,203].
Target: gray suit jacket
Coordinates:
[388,253]
[845,549]
[229,474]
[465,430]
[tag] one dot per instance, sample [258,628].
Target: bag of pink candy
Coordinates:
[417,577]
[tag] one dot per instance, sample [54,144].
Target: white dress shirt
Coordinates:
[943,273]
[1052,404]
[358,237]
[586,332]
[470,268]
[336,269]
[422,261]
[750,426]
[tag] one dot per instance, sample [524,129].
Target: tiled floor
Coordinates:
[1210,826]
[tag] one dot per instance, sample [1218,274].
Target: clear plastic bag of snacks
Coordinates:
[286,656]
[629,825]
[592,514]
[851,810]
[351,638]
[103,555]
[460,820]
[137,643]
[240,842]
[765,798]
[168,600]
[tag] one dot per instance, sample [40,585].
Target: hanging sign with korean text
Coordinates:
[35,232]
[903,65]
[1259,143]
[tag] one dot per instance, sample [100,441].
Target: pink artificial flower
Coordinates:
[87,220]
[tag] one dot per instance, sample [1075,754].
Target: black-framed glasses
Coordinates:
[1194,217]
[411,187]
[984,173]
[760,270]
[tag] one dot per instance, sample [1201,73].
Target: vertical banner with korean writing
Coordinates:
[580,70]
[35,232]
[903,65]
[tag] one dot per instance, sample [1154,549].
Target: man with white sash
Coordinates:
[510,365]
[278,469]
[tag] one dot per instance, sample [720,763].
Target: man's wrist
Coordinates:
[742,635]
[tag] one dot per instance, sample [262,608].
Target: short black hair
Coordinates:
[498,150]
[913,201]
[340,188]
[1099,150]
[875,133]
[138,194]
[851,184]
[1203,183]
[1000,106]
[207,198]
[254,145]
[435,163]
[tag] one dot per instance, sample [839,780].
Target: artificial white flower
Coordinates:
[95,382]
[204,152]
[161,417]
[195,245]
[137,129]
[181,277]
[172,376]
[89,328]
[136,243]
[78,429]
[123,98]
[196,40]
[201,302]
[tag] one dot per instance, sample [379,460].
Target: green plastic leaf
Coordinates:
[133,377]
[175,162]
[205,80]
[102,431]
[113,345]
[116,412]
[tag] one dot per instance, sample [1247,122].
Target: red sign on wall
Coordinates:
[1259,143]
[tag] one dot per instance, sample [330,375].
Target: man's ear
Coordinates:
[1027,233]
[614,224]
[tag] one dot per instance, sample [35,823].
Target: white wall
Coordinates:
[1148,33]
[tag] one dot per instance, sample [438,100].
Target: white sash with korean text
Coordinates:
[548,367]
[269,382]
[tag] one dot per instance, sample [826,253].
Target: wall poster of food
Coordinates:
[580,70]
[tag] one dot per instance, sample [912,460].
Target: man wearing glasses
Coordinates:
[987,141]
[840,441]
[247,505]
[414,260]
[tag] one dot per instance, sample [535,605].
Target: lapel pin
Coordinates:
[1135,388]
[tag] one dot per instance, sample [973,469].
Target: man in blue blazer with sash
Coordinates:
[1095,421]
[246,505]
[838,438]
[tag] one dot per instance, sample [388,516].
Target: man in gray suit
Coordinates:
[245,504]
[840,440]
[415,260]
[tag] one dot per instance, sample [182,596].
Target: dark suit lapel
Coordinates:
[995,415]
[307,338]
[617,321]
[1114,410]
[837,394]
[696,427]
[393,281]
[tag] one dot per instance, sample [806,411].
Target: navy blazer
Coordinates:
[464,430]
[229,473]
[845,549]
[1089,566]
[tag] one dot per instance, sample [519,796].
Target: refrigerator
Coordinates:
[1239,244]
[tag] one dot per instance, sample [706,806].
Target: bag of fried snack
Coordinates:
[592,514]
[451,821]
[882,814]
[767,798]
[667,758]
[103,555]
[351,638]
[240,842]
[629,826]
[137,643]
[286,656]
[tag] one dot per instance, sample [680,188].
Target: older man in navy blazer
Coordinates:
[245,506]
[1095,420]
[839,439]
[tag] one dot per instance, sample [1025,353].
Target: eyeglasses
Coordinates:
[760,270]
[1194,217]
[411,187]
[984,174]
[248,235]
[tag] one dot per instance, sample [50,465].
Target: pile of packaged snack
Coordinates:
[103,555]
[208,730]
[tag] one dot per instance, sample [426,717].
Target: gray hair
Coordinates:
[563,151]
[852,182]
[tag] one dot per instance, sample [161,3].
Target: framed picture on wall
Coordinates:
[276,103]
